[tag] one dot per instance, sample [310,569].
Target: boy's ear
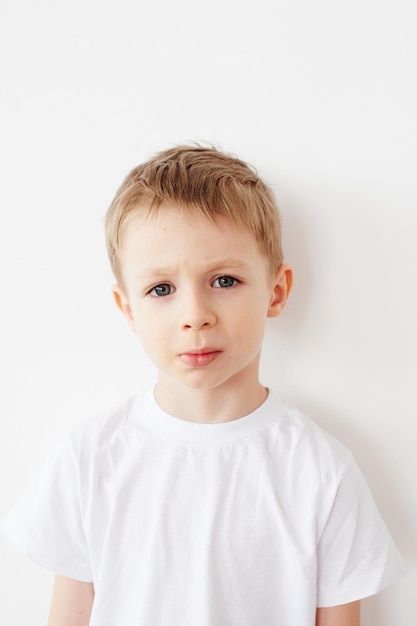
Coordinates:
[282,284]
[123,304]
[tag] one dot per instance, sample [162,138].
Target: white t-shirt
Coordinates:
[253,522]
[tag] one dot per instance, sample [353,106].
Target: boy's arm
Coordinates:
[72,602]
[342,615]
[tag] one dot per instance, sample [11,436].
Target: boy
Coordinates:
[206,501]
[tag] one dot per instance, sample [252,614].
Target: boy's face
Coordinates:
[198,295]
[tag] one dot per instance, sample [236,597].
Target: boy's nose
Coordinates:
[197,315]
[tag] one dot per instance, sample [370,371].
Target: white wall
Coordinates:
[320,96]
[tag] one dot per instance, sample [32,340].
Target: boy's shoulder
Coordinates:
[281,427]
[101,428]
[299,433]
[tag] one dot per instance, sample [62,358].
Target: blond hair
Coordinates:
[199,181]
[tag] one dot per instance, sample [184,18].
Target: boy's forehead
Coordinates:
[169,218]
[160,239]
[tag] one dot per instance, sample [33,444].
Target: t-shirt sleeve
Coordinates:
[356,555]
[46,524]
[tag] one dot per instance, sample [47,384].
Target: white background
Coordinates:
[321,97]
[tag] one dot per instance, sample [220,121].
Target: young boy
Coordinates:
[206,501]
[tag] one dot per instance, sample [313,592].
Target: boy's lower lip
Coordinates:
[198,359]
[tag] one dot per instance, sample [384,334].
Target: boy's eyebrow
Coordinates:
[212,266]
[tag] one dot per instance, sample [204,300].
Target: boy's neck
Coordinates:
[209,405]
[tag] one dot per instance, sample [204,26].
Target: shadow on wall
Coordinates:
[343,351]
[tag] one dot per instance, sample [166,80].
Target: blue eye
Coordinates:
[225,282]
[161,290]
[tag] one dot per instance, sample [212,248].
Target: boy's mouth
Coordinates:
[198,358]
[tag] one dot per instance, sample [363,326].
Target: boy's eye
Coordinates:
[225,282]
[164,289]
